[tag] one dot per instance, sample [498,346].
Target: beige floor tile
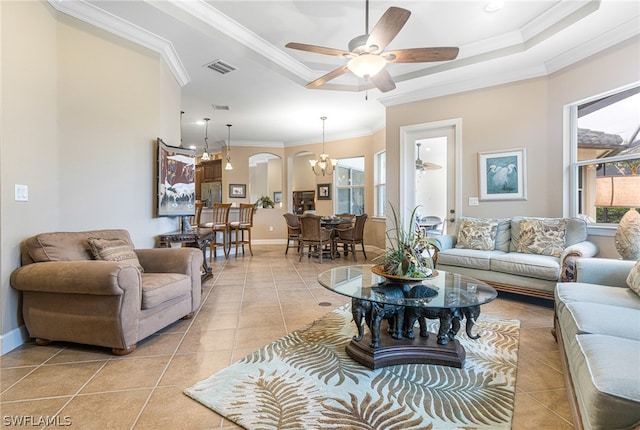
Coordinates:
[53,380]
[12,375]
[208,340]
[184,413]
[187,369]
[555,400]
[14,414]
[529,414]
[128,373]
[106,411]
[30,354]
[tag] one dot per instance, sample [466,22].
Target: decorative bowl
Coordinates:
[379,270]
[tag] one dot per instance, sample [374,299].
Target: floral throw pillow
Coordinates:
[542,236]
[477,233]
[633,280]
[113,250]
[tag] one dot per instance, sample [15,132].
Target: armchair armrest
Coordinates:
[187,261]
[102,278]
[603,271]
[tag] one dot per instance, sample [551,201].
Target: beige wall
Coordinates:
[523,114]
[80,112]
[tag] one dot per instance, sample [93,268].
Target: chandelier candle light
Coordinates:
[228,166]
[325,165]
[205,154]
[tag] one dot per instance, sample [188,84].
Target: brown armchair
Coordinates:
[317,238]
[94,288]
[352,236]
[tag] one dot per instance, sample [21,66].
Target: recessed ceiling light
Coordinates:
[493,6]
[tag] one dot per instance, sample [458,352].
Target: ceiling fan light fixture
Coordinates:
[366,65]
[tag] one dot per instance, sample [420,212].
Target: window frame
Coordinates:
[380,184]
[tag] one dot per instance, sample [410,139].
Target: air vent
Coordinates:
[221,67]
[220,107]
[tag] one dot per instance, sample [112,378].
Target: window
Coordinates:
[349,178]
[380,184]
[605,156]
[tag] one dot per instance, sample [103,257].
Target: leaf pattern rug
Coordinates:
[306,380]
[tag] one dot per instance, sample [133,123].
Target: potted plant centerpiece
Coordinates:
[409,256]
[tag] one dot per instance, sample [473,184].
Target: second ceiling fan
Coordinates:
[366,55]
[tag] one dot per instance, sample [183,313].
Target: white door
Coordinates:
[433,187]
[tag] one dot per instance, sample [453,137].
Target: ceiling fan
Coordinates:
[366,55]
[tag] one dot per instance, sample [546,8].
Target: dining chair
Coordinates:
[242,226]
[220,224]
[315,237]
[293,232]
[198,215]
[352,236]
[346,216]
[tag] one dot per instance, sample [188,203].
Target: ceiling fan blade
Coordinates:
[387,28]
[383,81]
[318,49]
[421,55]
[329,76]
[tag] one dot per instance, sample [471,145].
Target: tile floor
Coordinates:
[250,302]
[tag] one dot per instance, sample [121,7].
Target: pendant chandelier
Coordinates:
[205,154]
[325,165]
[228,166]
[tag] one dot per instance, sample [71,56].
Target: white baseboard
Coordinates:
[13,339]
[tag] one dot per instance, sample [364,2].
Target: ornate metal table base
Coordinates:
[421,350]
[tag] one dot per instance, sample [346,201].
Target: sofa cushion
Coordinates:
[633,280]
[531,265]
[477,233]
[114,250]
[503,234]
[628,236]
[596,318]
[576,231]
[542,236]
[158,288]
[607,372]
[568,292]
[66,246]
[470,258]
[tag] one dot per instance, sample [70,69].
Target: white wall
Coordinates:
[80,110]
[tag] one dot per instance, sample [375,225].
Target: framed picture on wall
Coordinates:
[237,191]
[277,196]
[503,174]
[324,191]
[176,187]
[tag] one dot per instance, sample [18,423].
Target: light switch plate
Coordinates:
[473,201]
[22,193]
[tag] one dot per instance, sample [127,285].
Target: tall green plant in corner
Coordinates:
[410,252]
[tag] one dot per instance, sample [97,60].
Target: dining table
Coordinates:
[334,223]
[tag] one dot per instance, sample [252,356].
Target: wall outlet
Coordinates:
[473,201]
[270,228]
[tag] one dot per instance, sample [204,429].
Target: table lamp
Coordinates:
[623,192]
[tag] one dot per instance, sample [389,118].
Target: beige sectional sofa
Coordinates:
[94,288]
[523,255]
[598,328]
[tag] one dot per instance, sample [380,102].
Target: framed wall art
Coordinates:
[503,174]
[277,196]
[237,191]
[324,191]
[176,188]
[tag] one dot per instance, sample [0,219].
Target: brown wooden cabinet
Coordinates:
[304,201]
[212,170]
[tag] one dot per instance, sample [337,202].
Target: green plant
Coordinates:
[410,252]
[265,202]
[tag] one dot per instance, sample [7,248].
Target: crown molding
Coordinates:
[104,20]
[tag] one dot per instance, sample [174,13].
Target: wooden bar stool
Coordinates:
[220,224]
[238,228]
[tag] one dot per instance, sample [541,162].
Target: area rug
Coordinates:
[305,380]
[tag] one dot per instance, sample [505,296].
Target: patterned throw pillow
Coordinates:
[628,236]
[542,236]
[633,280]
[477,233]
[113,250]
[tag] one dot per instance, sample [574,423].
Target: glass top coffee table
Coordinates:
[397,305]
